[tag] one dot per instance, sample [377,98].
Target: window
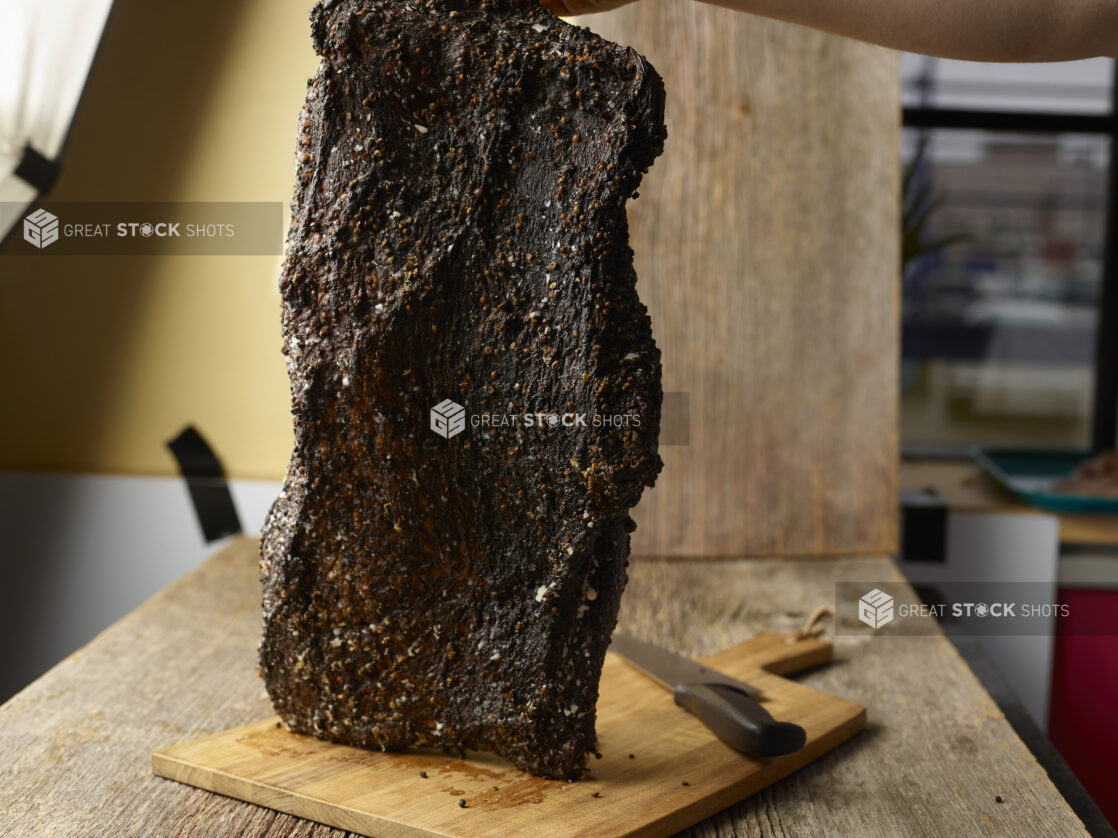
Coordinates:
[1008,332]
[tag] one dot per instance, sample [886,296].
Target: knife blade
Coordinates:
[727,706]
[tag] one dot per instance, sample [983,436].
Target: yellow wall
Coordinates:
[106,358]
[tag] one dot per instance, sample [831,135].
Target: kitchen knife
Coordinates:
[725,705]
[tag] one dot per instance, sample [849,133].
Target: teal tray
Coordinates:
[1030,472]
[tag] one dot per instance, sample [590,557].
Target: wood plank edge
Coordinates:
[688,816]
[776,654]
[810,752]
[221,735]
[808,653]
[294,803]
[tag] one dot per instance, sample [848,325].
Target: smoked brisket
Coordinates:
[475,387]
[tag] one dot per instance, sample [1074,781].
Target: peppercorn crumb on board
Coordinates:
[660,770]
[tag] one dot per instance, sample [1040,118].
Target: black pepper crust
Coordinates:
[459,232]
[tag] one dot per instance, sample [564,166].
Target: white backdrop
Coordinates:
[79,551]
[46,48]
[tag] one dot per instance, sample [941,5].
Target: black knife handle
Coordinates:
[739,721]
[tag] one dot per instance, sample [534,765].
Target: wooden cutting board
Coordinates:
[661,770]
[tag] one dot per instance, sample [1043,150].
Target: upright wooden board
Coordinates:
[767,241]
[660,771]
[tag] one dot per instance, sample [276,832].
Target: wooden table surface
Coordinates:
[75,746]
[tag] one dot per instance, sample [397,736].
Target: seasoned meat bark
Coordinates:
[459,233]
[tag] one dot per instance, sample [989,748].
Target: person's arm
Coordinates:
[976,30]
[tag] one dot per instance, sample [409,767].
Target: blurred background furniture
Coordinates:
[1065,678]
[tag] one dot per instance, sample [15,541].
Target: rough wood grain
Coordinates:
[766,241]
[75,746]
[660,769]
